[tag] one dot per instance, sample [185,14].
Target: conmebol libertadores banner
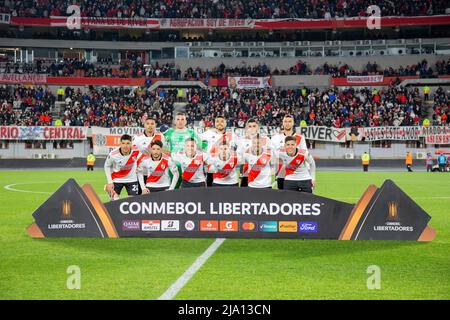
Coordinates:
[384,213]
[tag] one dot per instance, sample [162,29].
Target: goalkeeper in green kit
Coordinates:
[176,137]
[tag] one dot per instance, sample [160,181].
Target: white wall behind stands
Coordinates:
[16,150]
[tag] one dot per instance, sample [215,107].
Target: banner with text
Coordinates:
[106,139]
[249,82]
[365,79]
[384,213]
[23,78]
[42,133]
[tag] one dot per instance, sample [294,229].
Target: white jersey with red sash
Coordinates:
[121,168]
[193,169]
[278,144]
[245,145]
[297,167]
[224,170]
[214,139]
[142,141]
[260,169]
[158,171]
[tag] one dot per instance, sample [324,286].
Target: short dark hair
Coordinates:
[189,139]
[157,143]
[289,138]
[289,116]
[220,116]
[125,137]
[251,120]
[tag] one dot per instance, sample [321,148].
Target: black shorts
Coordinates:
[280,183]
[244,181]
[303,185]
[157,189]
[186,184]
[225,185]
[209,179]
[131,187]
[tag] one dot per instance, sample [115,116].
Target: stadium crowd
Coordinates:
[136,68]
[103,68]
[105,107]
[336,108]
[235,9]
[108,107]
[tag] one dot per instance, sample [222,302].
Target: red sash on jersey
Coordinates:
[159,171]
[256,168]
[125,172]
[227,168]
[156,136]
[192,168]
[224,139]
[298,139]
[295,163]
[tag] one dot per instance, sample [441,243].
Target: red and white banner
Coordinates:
[321,133]
[110,23]
[249,82]
[42,133]
[189,23]
[365,79]
[224,24]
[23,78]
[436,135]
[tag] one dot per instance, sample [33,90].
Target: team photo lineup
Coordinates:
[225,158]
[153,161]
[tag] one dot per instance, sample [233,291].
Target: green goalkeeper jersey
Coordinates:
[176,139]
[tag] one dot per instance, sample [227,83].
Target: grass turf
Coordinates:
[240,269]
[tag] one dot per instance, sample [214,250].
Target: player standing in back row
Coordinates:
[120,169]
[215,138]
[245,145]
[143,141]
[278,143]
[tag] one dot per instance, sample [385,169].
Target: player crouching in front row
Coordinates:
[261,163]
[223,167]
[193,164]
[299,166]
[120,169]
[156,168]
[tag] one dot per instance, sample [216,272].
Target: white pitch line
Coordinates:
[9,187]
[189,273]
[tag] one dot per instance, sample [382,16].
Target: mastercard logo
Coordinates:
[248,226]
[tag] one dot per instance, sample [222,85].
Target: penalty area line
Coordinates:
[191,271]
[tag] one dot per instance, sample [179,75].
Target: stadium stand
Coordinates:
[109,107]
[267,9]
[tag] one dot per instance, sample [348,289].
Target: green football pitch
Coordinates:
[239,269]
